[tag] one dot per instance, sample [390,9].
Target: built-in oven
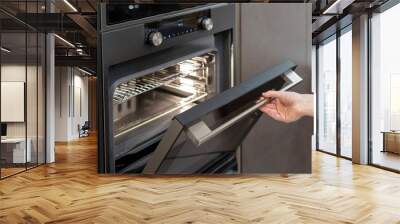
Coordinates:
[166,103]
[154,62]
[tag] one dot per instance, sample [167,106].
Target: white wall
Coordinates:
[62,81]
[80,111]
[314,92]
[71,102]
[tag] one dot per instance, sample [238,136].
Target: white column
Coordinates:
[50,100]
[360,90]
[50,93]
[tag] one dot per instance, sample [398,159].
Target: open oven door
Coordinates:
[204,139]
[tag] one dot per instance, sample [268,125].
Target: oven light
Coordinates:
[187,88]
[186,68]
[187,82]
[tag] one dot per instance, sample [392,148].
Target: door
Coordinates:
[270,33]
[205,138]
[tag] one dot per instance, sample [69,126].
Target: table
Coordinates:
[13,150]
[391,141]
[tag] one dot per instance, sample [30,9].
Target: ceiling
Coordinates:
[330,16]
[74,21]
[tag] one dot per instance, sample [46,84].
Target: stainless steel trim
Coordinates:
[198,97]
[200,133]
[232,67]
[155,161]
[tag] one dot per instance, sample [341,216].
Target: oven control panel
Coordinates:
[158,32]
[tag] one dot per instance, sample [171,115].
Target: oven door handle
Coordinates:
[200,133]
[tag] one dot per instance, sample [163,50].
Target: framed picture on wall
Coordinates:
[12,101]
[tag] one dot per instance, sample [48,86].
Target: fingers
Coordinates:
[270,105]
[271,110]
[272,113]
[272,94]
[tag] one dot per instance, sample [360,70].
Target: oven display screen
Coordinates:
[177,26]
[118,13]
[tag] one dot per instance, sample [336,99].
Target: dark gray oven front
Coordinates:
[151,69]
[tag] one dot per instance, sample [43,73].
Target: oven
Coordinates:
[155,62]
[167,102]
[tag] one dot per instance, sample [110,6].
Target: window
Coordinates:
[334,65]
[346,93]
[385,89]
[327,96]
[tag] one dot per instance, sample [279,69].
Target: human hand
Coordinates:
[287,106]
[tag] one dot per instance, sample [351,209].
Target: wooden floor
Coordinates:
[5,172]
[387,159]
[71,191]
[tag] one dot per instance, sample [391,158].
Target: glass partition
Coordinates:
[13,114]
[22,88]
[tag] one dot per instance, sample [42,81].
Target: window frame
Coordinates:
[381,9]
[334,37]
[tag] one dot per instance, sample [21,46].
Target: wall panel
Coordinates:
[269,34]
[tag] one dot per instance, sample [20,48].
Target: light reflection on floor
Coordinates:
[386,159]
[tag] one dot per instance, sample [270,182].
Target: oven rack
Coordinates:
[135,87]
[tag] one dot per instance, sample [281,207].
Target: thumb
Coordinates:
[272,94]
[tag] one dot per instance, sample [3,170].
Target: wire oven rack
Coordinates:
[125,91]
[135,87]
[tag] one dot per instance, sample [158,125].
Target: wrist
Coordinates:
[308,108]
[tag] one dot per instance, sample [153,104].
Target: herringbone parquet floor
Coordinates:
[70,191]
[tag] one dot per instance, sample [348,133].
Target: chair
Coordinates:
[84,130]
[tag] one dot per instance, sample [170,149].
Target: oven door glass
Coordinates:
[145,103]
[205,138]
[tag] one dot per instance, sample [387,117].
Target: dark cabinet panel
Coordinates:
[268,34]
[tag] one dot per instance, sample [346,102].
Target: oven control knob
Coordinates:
[155,38]
[206,23]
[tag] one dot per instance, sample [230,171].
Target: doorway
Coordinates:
[75,103]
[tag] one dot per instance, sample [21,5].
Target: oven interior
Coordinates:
[143,107]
